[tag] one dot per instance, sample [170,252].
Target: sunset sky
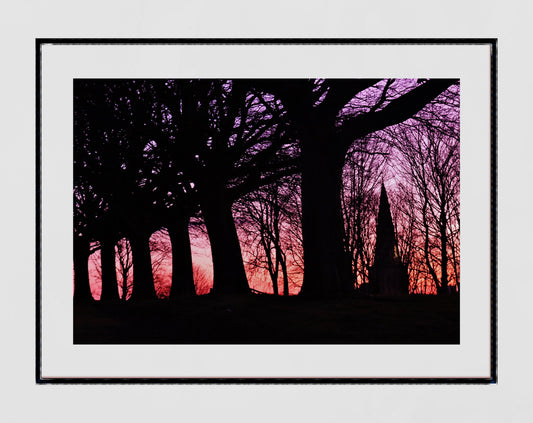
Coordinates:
[408,156]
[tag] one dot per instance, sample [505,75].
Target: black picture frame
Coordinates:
[492,43]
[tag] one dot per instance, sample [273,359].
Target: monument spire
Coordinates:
[388,275]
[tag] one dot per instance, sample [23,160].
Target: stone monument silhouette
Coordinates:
[388,275]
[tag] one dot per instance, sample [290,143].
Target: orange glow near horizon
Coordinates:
[258,279]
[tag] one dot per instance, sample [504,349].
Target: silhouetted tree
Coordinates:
[123,130]
[264,219]
[362,175]
[231,141]
[92,210]
[124,266]
[85,202]
[431,167]
[326,129]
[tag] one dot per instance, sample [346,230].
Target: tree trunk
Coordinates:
[182,270]
[109,272]
[124,285]
[274,277]
[82,287]
[455,263]
[427,257]
[272,268]
[355,264]
[326,272]
[283,262]
[143,278]
[444,255]
[228,268]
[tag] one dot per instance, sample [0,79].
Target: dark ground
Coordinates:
[265,319]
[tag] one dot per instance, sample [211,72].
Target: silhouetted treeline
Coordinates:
[152,154]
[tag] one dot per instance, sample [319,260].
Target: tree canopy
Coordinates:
[154,154]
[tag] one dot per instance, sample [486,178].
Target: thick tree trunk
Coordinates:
[326,272]
[182,270]
[82,287]
[143,278]
[109,272]
[228,268]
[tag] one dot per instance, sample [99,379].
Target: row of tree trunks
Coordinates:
[229,273]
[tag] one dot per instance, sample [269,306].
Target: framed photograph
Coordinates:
[266,211]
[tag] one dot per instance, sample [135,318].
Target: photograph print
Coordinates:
[266,211]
